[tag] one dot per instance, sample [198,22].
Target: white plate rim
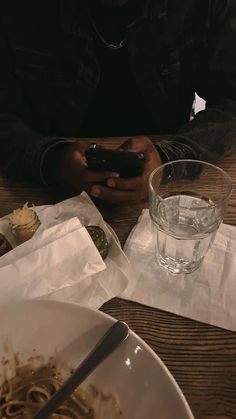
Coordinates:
[112,320]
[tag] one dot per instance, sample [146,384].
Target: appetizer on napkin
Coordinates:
[24,223]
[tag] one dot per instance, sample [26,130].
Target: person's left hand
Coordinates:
[135,189]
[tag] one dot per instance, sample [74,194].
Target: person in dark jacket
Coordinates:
[72,69]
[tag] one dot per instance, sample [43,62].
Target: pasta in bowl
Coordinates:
[41,342]
[23,395]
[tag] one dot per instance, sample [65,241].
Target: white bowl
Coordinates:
[144,385]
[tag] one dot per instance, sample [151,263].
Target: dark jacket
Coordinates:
[49,73]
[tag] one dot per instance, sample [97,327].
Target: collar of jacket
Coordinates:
[73,12]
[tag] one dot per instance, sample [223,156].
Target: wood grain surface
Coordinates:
[202,358]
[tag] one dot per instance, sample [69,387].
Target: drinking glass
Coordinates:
[188,199]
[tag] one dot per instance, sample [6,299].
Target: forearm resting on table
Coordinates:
[23,150]
[209,136]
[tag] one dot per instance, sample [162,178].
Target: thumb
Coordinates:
[138,144]
[82,145]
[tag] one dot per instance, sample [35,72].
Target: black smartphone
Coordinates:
[126,163]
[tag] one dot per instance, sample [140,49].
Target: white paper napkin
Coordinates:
[207,295]
[61,261]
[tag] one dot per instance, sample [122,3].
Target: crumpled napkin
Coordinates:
[207,295]
[61,261]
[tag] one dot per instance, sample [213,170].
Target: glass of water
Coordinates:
[188,199]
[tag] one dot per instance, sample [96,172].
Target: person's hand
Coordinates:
[74,172]
[130,190]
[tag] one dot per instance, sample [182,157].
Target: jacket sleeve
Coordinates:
[212,132]
[22,149]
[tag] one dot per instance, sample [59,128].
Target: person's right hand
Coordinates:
[74,172]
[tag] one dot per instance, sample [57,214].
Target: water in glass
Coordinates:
[186,226]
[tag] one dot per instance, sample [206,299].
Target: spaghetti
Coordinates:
[24,395]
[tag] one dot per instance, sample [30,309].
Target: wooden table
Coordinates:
[202,358]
